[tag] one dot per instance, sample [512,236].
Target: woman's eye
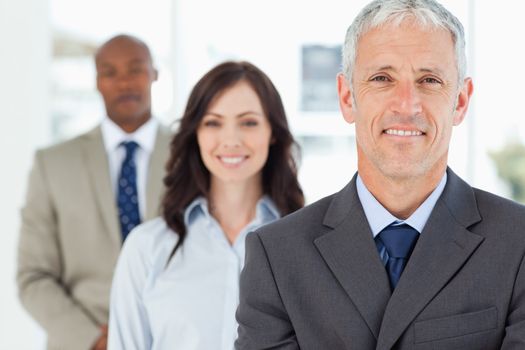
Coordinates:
[211,123]
[250,123]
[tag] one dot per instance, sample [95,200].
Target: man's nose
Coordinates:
[124,80]
[406,99]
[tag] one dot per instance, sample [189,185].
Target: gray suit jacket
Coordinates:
[70,237]
[314,280]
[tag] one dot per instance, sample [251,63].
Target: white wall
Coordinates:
[24,66]
[268,33]
[498,85]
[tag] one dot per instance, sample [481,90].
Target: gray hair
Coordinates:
[426,13]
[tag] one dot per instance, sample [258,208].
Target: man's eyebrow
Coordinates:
[137,60]
[375,68]
[104,65]
[434,70]
[387,68]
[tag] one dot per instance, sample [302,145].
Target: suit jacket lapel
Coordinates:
[156,171]
[98,168]
[351,254]
[442,249]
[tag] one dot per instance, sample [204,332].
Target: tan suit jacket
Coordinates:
[70,237]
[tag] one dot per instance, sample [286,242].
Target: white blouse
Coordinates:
[190,303]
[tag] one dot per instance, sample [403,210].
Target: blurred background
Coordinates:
[47,90]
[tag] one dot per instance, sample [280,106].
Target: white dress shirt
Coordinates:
[144,136]
[190,303]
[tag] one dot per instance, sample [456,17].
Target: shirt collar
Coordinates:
[265,210]
[379,218]
[113,135]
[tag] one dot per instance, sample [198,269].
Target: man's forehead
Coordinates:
[119,58]
[122,49]
[398,48]
[400,39]
[386,30]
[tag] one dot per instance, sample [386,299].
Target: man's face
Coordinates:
[404,100]
[124,77]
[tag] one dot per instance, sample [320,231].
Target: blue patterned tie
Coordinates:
[127,199]
[399,242]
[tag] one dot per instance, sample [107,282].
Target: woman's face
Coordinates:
[234,136]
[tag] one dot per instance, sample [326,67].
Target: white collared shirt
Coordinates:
[144,136]
[189,304]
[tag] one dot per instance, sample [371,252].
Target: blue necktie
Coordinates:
[127,199]
[399,242]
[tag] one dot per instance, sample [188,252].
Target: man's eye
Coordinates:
[107,74]
[430,80]
[380,78]
[135,70]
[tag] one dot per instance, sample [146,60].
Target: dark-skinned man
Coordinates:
[85,195]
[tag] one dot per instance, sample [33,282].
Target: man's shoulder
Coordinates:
[164,131]
[164,136]
[70,146]
[502,221]
[492,206]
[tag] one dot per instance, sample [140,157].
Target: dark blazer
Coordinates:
[314,280]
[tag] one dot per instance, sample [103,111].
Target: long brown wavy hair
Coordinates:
[188,178]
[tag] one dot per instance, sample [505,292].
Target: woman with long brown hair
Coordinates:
[231,170]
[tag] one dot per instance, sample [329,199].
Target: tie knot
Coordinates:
[130,147]
[399,240]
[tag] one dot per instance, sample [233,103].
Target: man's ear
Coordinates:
[345,98]
[97,80]
[155,74]
[462,101]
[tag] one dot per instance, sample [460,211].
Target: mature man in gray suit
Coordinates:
[407,255]
[85,195]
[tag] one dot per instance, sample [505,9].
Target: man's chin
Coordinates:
[128,118]
[403,170]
